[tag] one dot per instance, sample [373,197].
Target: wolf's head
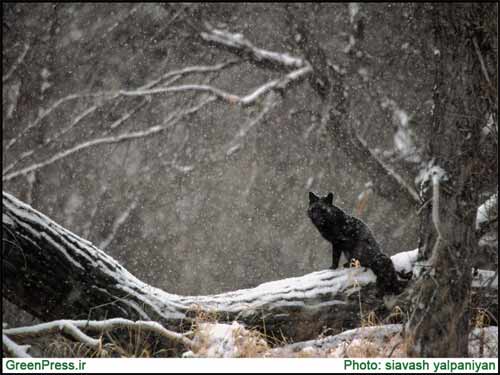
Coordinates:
[321,210]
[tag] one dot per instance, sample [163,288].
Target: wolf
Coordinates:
[349,235]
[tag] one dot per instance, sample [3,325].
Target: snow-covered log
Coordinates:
[54,274]
[379,341]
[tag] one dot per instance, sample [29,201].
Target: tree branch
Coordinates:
[238,44]
[76,328]
[167,124]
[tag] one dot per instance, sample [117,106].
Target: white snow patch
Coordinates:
[225,341]
[490,127]
[486,211]
[402,116]
[485,278]
[430,172]
[404,261]
[404,138]
[19,351]
[380,341]
[483,342]
[7,219]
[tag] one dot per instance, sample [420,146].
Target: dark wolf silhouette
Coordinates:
[351,236]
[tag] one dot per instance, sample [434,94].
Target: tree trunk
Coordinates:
[54,274]
[439,323]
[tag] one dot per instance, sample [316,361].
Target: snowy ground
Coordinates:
[234,340]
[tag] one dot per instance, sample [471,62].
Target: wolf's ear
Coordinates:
[329,198]
[313,198]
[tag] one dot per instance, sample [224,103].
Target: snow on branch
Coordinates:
[42,114]
[15,350]
[109,140]
[76,328]
[45,142]
[379,341]
[109,95]
[189,70]
[239,44]
[251,98]
[487,212]
[114,125]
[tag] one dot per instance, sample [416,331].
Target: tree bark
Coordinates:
[439,323]
[54,274]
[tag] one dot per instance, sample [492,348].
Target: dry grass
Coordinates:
[481,318]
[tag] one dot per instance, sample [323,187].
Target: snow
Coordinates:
[225,340]
[483,342]
[379,341]
[430,171]
[19,351]
[220,339]
[489,127]
[484,211]
[403,262]
[404,137]
[7,220]
[485,278]
[236,40]
[337,345]
[234,340]
[164,304]
[75,328]
[314,290]
[402,116]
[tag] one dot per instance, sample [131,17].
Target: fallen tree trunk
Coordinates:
[54,274]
